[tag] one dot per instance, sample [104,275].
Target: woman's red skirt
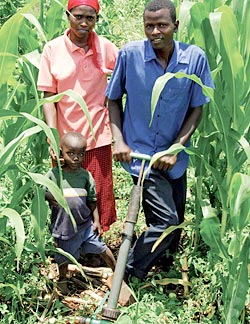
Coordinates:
[99,163]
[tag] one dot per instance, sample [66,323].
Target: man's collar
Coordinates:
[177,57]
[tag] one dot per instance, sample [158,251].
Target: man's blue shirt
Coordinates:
[136,71]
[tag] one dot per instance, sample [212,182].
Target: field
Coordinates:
[209,279]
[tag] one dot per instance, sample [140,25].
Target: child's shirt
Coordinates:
[78,189]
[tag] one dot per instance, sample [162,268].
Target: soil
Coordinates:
[86,292]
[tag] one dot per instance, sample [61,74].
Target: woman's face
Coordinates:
[82,21]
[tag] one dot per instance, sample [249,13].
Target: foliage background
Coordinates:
[215,242]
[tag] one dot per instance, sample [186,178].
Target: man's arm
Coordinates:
[121,151]
[190,124]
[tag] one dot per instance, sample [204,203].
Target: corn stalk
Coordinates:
[222,154]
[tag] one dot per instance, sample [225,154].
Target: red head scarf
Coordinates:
[92,3]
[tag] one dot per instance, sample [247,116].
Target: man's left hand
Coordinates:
[166,162]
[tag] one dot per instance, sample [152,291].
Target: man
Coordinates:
[177,115]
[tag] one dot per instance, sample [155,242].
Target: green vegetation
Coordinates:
[215,242]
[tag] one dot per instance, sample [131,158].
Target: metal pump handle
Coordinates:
[140,156]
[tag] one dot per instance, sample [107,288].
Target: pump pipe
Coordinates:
[111,311]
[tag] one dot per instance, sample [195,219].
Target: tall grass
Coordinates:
[223,145]
[221,156]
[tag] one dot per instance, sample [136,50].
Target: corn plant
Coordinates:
[222,149]
[23,133]
[223,142]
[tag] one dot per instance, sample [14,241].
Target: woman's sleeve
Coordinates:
[46,80]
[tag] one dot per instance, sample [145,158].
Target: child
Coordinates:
[80,193]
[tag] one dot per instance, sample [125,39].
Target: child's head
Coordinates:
[73,146]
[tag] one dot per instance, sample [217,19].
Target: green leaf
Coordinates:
[207,210]
[169,230]
[54,17]
[33,20]
[9,34]
[239,201]
[5,241]
[39,212]
[7,65]
[173,149]
[184,18]
[210,232]
[27,70]
[73,260]
[157,89]
[225,29]
[47,130]
[9,150]
[124,319]
[198,15]
[74,95]
[54,190]
[236,291]
[162,81]
[18,195]
[34,58]
[17,222]
[242,141]
[14,288]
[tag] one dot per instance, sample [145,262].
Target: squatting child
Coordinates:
[80,192]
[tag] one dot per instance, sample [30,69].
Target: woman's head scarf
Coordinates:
[92,3]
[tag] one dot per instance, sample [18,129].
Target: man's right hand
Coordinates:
[121,151]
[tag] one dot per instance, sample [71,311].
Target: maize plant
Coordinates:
[221,153]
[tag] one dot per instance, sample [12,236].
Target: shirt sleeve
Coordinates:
[46,80]
[116,86]
[111,56]
[204,73]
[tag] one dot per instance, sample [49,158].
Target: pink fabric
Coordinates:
[92,3]
[65,66]
[99,163]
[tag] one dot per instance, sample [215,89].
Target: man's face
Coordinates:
[159,28]
[82,21]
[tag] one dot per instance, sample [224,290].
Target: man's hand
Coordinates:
[166,162]
[121,151]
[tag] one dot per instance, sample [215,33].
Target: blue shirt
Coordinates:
[136,71]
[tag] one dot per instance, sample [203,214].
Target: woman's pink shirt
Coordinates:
[65,66]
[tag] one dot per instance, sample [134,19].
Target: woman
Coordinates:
[81,60]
